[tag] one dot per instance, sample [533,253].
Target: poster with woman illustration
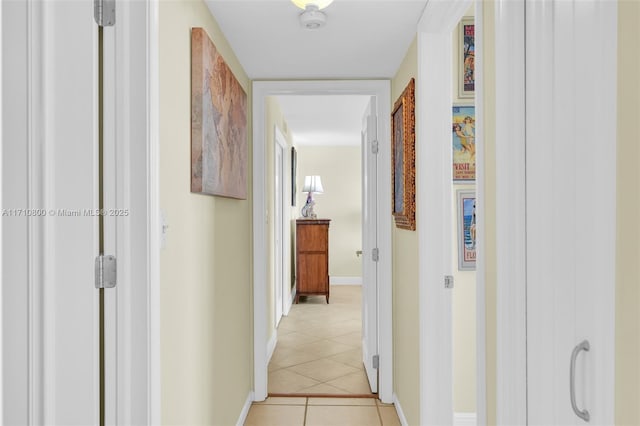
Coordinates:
[463,136]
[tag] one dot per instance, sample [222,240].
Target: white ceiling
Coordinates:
[324,120]
[361,40]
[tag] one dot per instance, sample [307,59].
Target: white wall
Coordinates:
[341,172]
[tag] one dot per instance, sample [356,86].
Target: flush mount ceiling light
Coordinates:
[312,18]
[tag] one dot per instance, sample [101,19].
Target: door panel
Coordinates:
[369,242]
[57,235]
[570,168]
[313,272]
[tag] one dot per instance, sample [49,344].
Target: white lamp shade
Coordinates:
[321,4]
[313,184]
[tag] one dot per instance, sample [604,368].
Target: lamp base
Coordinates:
[307,211]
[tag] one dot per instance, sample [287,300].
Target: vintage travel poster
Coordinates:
[464,143]
[466,230]
[467,59]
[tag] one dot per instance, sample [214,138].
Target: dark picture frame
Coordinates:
[403,176]
[294,167]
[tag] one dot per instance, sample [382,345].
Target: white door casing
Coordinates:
[369,243]
[278,225]
[433,204]
[380,89]
[287,230]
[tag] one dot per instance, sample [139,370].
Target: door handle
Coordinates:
[582,346]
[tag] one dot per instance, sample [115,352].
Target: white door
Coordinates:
[278,231]
[369,244]
[50,239]
[570,209]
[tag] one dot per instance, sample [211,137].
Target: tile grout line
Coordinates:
[379,414]
[306,405]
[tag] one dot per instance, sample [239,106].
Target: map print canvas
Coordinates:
[218,123]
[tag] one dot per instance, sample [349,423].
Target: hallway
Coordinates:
[319,347]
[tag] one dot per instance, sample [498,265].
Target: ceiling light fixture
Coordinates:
[312,18]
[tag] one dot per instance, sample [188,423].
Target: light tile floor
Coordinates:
[319,347]
[319,352]
[302,411]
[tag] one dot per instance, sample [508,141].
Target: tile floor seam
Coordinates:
[379,414]
[306,407]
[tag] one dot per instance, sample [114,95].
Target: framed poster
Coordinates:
[466,218]
[403,171]
[466,58]
[463,142]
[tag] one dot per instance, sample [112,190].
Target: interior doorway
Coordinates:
[436,235]
[318,348]
[262,335]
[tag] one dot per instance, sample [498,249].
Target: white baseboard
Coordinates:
[245,410]
[271,345]
[290,301]
[396,403]
[464,419]
[345,280]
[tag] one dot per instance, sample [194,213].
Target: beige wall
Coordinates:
[274,118]
[627,390]
[464,293]
[206,364]
[340,169]
[406,348]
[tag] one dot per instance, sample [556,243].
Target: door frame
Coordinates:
[261,90]
[434,189]
[285,235]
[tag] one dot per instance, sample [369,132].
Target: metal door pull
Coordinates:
[582,346]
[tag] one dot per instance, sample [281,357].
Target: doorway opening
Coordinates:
[318,341]
[265,334]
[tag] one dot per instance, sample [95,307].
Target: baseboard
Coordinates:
[464,419]
[345,280]
[290,301]
[245,410]
[396,403]
[271,346]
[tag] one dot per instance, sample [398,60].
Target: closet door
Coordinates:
[570,204]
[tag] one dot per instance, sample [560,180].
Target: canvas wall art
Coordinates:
[218,123]
[463,139]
